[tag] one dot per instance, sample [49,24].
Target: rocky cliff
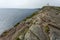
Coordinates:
[42,25]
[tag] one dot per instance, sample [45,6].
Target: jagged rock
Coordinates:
[49,18]
[35,33]
[54,33]
[30,36]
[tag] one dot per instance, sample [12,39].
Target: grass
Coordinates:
[35,13]
[47,29]
[16,24]
[17,39]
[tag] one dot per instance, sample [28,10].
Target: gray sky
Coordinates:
[27,3]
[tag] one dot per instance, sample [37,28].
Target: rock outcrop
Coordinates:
[45,25]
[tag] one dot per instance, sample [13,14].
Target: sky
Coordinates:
[27,3]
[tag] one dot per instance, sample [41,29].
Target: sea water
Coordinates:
[10,16]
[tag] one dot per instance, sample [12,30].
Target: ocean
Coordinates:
[10,16]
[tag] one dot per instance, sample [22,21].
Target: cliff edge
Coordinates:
[42,25]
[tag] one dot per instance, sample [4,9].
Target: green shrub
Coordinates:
[17,39]
[35,13]
[17,24]
[47,29]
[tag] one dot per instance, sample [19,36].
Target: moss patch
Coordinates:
[47,29]
[17,39]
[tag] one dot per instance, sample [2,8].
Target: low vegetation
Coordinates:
[47,29]
[17,39]
[4,33]
[35,13]
[17,24]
